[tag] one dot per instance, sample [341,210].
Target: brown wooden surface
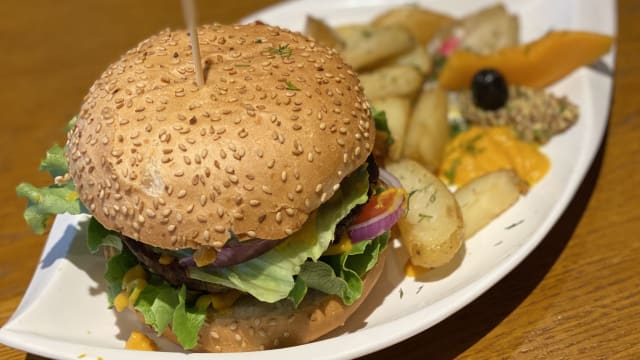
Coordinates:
[576,296]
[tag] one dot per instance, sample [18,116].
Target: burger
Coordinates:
[242,214]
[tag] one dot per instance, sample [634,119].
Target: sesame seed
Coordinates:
[248,187]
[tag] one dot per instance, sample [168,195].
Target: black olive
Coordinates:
[489,89]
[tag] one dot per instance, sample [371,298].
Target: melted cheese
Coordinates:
[140,341]
[482,150]
[121,301]
[166,259]
[133,282]
[411,270]
[343,246]
[205,255]
[218,301]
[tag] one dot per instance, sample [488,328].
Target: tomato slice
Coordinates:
[378,204]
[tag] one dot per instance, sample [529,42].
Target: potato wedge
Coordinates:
[366,45]
[428,130]
[488,196]
[398,110]
[422,23]
[417,57]
[485,31]
[323,33]
[432,230]
[396,80]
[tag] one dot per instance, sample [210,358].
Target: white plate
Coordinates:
[64,313]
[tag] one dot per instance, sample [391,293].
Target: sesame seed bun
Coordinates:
[251,325]
[278,124]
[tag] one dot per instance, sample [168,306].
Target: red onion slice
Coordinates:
[236,252]
[389,179]
[378,224]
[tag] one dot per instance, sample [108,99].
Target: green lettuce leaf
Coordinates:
[157,303]
[160,303]
[47,201]
[380,120]
[298,292]
[44,202]
[341,275]
[270,277]
[71,124]
[117,266]
[55,162]
[98,236]
[187,321]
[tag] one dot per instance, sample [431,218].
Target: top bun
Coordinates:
[279,122]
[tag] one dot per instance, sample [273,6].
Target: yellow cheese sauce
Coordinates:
[343,246]
[218,301]
[140,341]
[413,271]
[481,150]
[133,282]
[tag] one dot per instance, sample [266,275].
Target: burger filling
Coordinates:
[331,253]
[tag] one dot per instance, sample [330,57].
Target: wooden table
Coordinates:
[576,296]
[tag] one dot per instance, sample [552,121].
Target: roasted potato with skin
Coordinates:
[323,33]
[428,130]
[422,23]
[395,80]
[488,196]
[485,31]
[398,110]
[432,230]
[417,57]
[366,45]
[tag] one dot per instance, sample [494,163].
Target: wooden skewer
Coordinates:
[189,10]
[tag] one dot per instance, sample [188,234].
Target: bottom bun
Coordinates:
[251,325]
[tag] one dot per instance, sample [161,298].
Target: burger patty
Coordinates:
[176,274]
